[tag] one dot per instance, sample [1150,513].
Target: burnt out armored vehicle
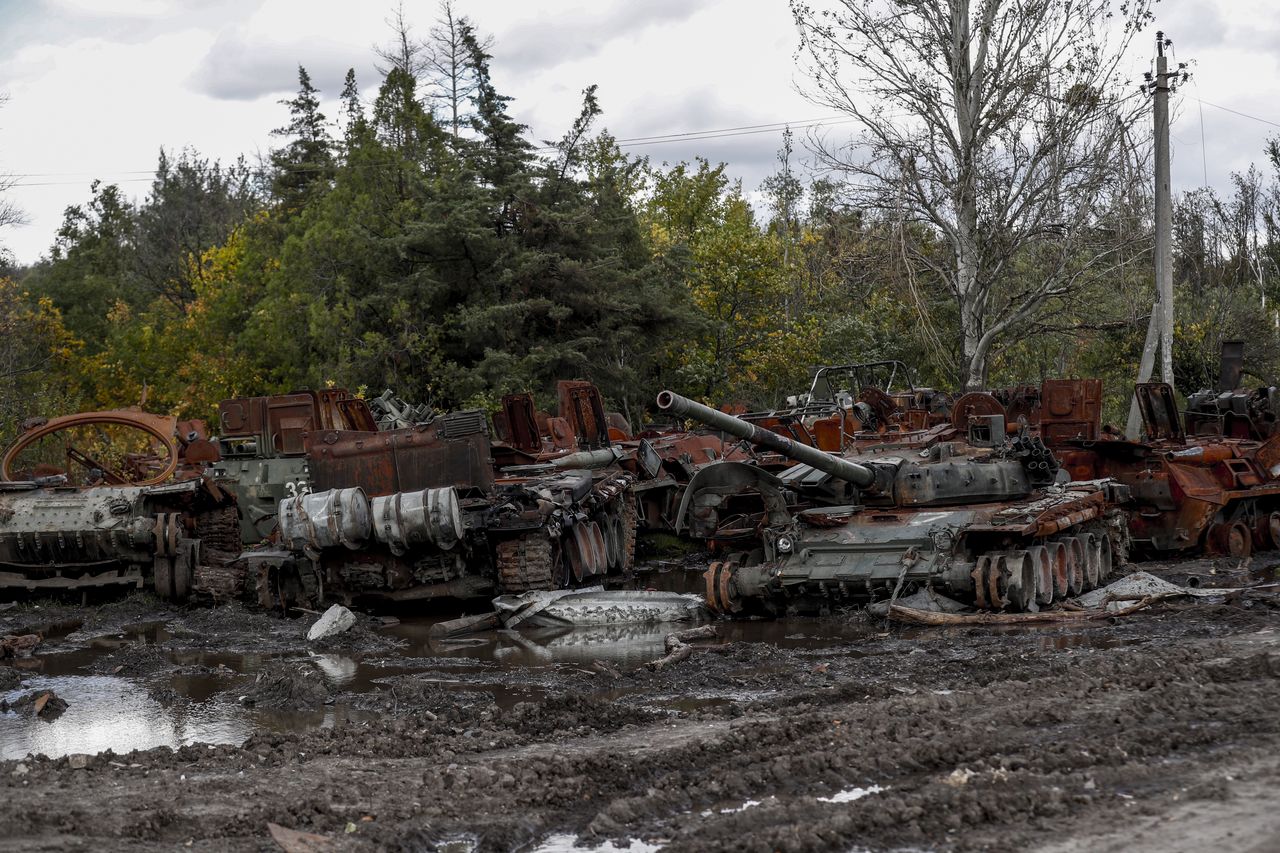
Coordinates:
[987,518]
[423,512]
[113,498]
[865,402]
[1215,493]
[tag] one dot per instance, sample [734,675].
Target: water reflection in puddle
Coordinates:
[115,703]
[105,712]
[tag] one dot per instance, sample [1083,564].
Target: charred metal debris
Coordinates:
[862,489]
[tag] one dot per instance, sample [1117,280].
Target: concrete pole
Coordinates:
[1164,213]
[1160,328]
[1133,430]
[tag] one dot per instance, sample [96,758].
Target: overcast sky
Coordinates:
[97,87]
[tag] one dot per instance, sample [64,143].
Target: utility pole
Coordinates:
[1161,326]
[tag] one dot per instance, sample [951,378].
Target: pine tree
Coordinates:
[306,163]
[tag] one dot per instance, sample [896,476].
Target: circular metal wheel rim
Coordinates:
[1106,558]
[1022,581]
[599,557]
[1087,545]
[142,422]
[998,582]
[1273,529]
[1239,540]
[576,554]
[619,540]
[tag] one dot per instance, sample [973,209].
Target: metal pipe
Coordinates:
[587,459]
[859,475]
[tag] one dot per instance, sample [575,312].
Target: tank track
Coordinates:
[220,573]
[630,518]
[524,563]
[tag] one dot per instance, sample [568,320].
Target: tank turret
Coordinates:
[859,475]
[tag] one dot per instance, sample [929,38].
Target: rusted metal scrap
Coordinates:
[152,449]
[1209,493]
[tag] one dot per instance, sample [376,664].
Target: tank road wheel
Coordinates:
[981,573]
[1089,545]
[162,569]
[599,549]
[1102,546]
[617,539]
[184,568]
[1020,572]
[1061,571]
[524,564]
[1229,539]
[580,553]
[1272,522]
[1075,565]
[1044,573]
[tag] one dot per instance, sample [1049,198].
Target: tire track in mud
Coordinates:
[994,752]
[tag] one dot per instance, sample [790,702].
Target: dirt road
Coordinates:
[1158,732]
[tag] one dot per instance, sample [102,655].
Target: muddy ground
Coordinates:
[1158,731]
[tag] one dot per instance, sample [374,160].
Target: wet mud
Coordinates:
[189,727]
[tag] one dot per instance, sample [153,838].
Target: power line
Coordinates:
[1236,112]
[628,142]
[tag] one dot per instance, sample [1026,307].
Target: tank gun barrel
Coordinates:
[859,475]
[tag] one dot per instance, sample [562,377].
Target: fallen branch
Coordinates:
[927,617]
[464,625]
[678,647]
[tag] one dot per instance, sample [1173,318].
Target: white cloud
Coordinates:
[98,86]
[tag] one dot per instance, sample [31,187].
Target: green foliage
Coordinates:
[459,264]
[36,352]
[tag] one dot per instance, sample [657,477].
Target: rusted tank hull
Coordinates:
[1014,555]
[58,538]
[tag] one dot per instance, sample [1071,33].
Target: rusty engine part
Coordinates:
[526,436]
[391,412]
[1058,409]
[991,520]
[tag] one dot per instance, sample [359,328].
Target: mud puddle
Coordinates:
[139,688]
[145,685]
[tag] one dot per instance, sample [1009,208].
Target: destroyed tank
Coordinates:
[262,459]
[988,519]
[423,512]
[114,498]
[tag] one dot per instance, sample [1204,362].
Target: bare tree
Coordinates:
[448,62]
[1001,125]
[405,51]
[442,63]
[10,213]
